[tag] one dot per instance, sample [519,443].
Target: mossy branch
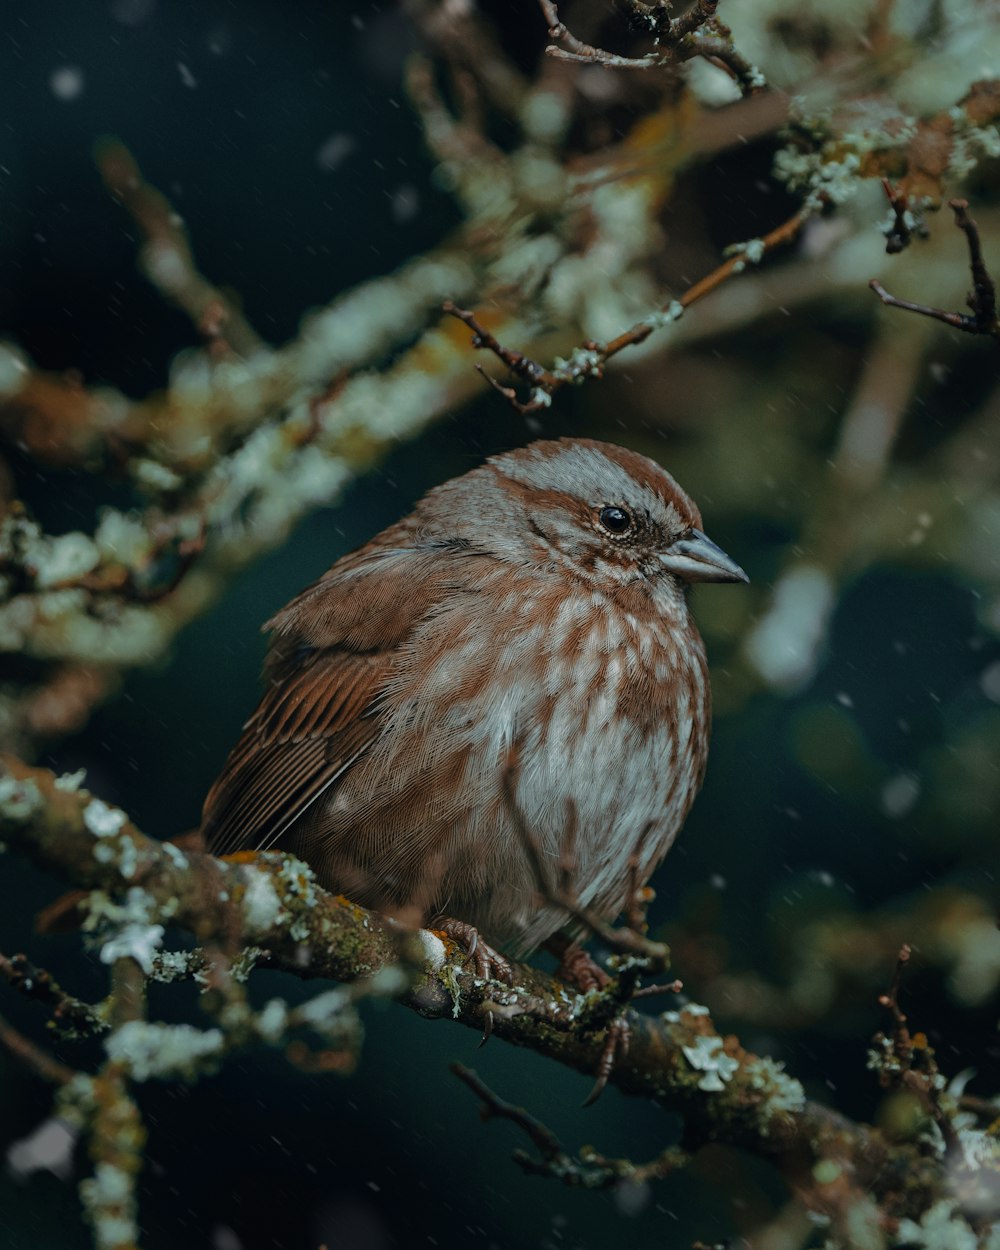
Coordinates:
[272,903]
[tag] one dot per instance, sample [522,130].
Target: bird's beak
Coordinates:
[695,558]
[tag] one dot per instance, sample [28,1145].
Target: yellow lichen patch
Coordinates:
[356,910]
[241,857]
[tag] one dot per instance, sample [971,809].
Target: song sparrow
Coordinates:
[532,610]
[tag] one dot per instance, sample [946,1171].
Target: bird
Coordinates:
[514,656]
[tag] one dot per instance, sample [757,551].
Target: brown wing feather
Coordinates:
[305,732]
[334,647]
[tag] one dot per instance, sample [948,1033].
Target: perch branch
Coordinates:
[721,1091]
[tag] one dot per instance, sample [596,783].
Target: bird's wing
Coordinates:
[334,648]
[309,727]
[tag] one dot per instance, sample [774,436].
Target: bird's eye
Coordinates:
[615,520]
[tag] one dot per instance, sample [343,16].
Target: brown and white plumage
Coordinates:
[502,620]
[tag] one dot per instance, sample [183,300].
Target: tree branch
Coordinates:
[273,905]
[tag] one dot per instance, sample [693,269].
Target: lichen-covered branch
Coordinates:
[268,909]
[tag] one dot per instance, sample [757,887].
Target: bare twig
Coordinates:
[68,1013]
[697,33]
[588,1170]
[589,360]
[900,232]
[33,1057]
[908,1060]
[981,300]
[167,257]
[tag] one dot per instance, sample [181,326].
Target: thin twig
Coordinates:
[168,257]
[982,299]
[36,983]
[697,33]
[900,232]
[590,358]
[911,1061]
[33,1057]
[589,1170]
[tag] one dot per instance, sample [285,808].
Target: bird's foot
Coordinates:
[575,966]
[579,969]
[617,1040]
[489,964]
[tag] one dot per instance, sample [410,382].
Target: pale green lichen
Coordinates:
[272,1020]
[706,1054]
[262,908]
[134,941]
[14,370]
[165,1051]
[63,559]
[109,1199]
[168,966]
[544,116]
[122,537]
[299,883]
[75,1100]
[449,976]
[660,318]
[824,180]
[245,962]
[70,783]
[981,1150]
[941,1227]
[129,929]
[750,251]
[102,820]
[156,476]
[19,800]
[433,950]
[175,855]
[781,1093]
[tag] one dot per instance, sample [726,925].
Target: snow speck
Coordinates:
[989,682]
[844,699]
[67,82]
[405,203]
[187,78]
[334,151]
[223,1238]
[133,12]
[632,1197]
[220,41]
[899,794]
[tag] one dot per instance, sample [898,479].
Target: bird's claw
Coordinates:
[617,1040]
[488,964]
[580,970]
